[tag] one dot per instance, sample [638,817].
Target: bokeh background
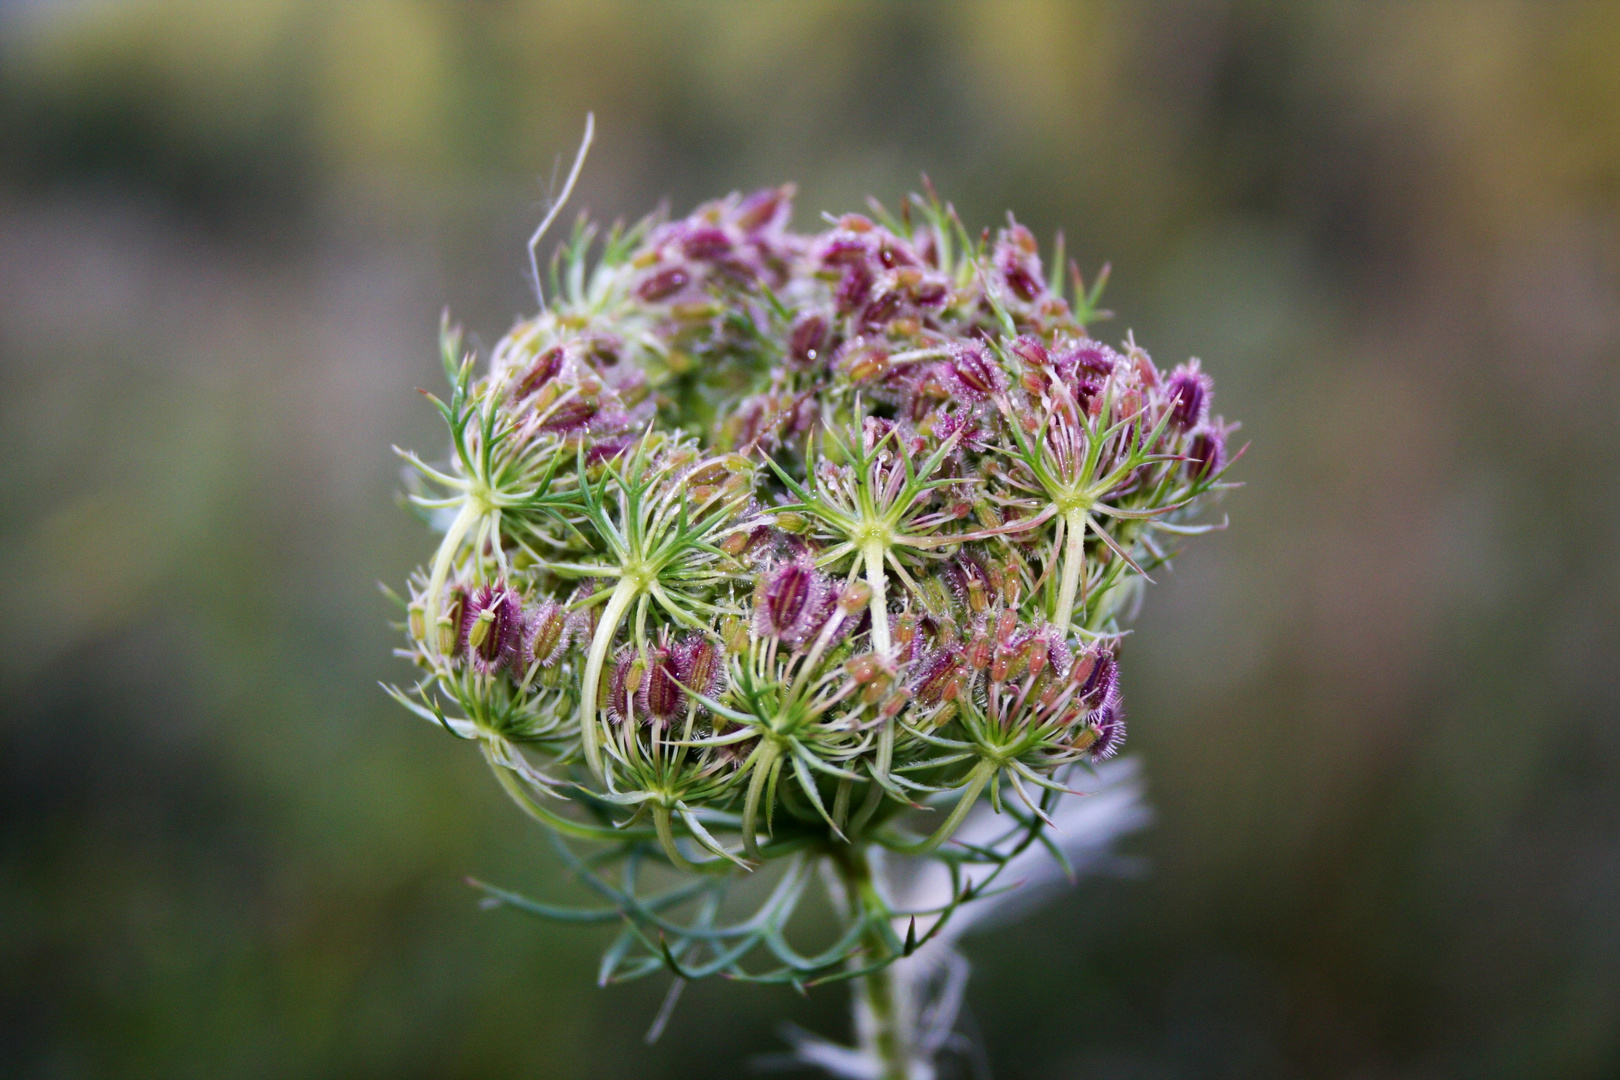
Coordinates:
[1379,716]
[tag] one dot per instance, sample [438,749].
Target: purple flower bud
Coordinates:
[1030,351]
[599,450]
[699,664]
[874,430]
[766,207]
[929,292]
[968,580]
[806,341]
[582,620]
[543,370]
[935,681]
[1106,726]
[844,250]
[855,288]
[660,696]
[1206,454]
[571,415]
[1188,391]
[665,283]
[547,634]
[1084,367]
[791,602]
[492,626]
[971,372]
[706,243]
[965,422]
[1095,676]
[880,310]
[623,684]
[1018,258]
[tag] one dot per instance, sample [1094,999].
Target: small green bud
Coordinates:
[479,632]
[448,638]
[734,632]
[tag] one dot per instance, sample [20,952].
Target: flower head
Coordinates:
[753,539]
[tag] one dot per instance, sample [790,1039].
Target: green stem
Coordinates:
[537,810]
[624,593]
[764,761]
[981,774]
[1074,561]
[882,1027]
[666,839]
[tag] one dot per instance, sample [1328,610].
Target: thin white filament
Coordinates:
[557,205]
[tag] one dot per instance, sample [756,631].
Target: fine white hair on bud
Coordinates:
[764,546]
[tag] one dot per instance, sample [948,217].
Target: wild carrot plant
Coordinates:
[769,557]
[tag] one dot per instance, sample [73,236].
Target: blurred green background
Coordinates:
[1379,717]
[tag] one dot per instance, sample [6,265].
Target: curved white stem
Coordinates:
[624,593]
[1074,561]
[446,554]
[877,578]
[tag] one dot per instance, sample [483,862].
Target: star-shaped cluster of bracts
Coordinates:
[861,508]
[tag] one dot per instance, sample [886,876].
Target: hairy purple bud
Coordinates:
[1206,454]
[598,451]
[543,370]
[665,283]
[972,373]
[660,696]
[1030,351]
[967,578]
[766,207]
[880,310]
[622,686]
[1104,733]
[791,602]
[706,243]
[935,681]
[547,634]
[1018,259]
[806,341]
[1047,647]
[855,287]
[1095,676]
[492,626]
[699,664]
[1188,391]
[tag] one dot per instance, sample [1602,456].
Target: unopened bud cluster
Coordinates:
[768,538]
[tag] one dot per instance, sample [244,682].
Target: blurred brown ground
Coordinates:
[1380,715]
